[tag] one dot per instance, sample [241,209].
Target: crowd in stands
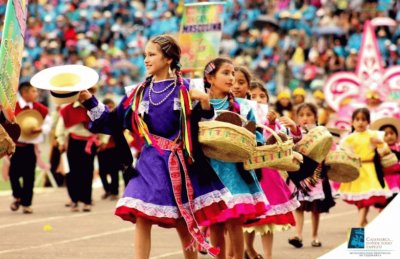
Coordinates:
[286,43]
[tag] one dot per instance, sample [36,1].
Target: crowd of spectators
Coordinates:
[286,43]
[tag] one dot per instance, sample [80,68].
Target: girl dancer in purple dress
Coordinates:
[174,186]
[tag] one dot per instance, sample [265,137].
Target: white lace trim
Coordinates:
[210,198]
[173,211]
[96,112]
[246,198]
[364,196]
[283,208]
[317,196]
[395,190]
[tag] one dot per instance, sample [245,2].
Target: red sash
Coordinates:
[175,159]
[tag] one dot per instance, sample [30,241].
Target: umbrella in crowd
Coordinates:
[265,20]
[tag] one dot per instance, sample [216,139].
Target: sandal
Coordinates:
[296,242]
[27,210]
[258,256]
[87,208]
[15,205]
[316,243]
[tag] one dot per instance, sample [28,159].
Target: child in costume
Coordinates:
[248,199]
[241,87]
[283,105]
[369,188]
[23,162]
[174,185]
[280,216]
[319,199]
[74,137]
[391,127]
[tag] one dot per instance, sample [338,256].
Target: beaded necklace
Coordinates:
[173,84]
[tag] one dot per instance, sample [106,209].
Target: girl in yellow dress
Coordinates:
[369,188]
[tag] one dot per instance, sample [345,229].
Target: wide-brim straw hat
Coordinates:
[377,124]
[29,120]
[65,82]
[337,132]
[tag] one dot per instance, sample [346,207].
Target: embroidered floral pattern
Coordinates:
[144,107]
[96,112]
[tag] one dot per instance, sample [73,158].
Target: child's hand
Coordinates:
[376,141]
[203,98]
[288,123]
[271,116]
[84,95]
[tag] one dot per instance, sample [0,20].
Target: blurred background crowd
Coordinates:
[286,43]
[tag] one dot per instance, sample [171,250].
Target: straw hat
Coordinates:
[337,132]
[29,120]
[376,125]
[65,82]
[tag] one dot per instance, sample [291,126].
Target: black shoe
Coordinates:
[296,242]
[105,195]
[15,205]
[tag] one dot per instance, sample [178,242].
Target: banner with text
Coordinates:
[200,34]
[12,46]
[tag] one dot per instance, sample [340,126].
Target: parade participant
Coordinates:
[319,199]
[391,127]
[248,199]
[299,96]
[74,137]
[241,86]
[23,162]
[174,185]
[283,105]
[280,216]
[369,188]
[108,162]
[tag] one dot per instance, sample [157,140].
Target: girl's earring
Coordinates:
[171,74]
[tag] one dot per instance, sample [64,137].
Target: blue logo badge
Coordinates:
[357,238]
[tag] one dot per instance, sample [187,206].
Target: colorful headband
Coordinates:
[209,68]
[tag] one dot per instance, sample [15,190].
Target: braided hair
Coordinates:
[211,69]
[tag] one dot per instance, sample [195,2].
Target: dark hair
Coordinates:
[246,73]
[280,108]
[364,111]
[310,106]
[23,86]
[170,49]
[108,101]
[258,85]
[212,68]
[389,126]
